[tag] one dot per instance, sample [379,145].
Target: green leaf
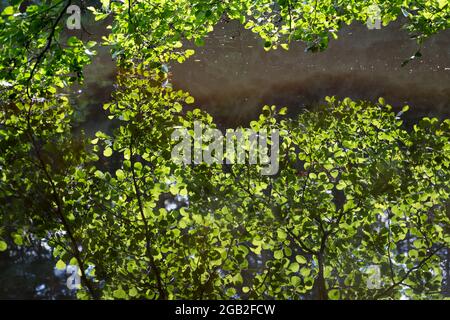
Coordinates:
[120,174]
[199,42]
[231,292]
[3,246]
[295,281]
[132,292]
[282,235]
[333,294]
[442,3]
[189,53]
[278,254]
[282,111]
[18,240]
[8,11]
[190,100]
[73,41]
[107,152]
[105,4]
[341,185]
[120,294]
[60,265]
[177,107]
[294,267]
[305,272]
[300,259]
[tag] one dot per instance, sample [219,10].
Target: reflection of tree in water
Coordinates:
[310,244]
[231,77]
[29,273]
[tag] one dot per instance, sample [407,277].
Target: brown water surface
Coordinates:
[232,77]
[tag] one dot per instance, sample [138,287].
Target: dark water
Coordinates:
[232,77]
[29,273]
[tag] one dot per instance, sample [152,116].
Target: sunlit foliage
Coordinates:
[355,187]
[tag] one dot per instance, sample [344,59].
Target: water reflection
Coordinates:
[232,77]
[30,273]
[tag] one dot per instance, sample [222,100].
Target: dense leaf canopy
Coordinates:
[356,188]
